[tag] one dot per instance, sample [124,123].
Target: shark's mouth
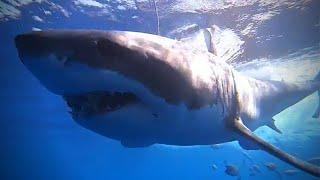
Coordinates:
[93,103]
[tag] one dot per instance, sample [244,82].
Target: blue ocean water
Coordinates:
[39,139]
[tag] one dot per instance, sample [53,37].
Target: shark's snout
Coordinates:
[73,63]
[43,43]
[29,44]
[90,48]
[63,61]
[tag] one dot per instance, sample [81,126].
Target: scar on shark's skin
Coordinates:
[143,89]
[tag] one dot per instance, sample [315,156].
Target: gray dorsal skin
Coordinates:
[143,89]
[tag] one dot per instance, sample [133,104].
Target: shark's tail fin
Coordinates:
[235,121]
[300,68]
[317,113]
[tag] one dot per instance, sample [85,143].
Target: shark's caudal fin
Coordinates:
[234,121]
[300,68]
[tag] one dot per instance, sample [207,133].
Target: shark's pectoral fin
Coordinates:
[300,164]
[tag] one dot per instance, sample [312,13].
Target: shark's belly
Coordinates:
[174,125]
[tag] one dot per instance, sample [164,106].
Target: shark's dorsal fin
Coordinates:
[202,40]
[209,40]
[224,44]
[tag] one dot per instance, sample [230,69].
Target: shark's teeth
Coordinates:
[98,102]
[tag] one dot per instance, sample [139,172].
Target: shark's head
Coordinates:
[133,66]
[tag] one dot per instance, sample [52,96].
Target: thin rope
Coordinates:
[157,15]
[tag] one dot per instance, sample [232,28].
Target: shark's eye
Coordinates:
[62,58]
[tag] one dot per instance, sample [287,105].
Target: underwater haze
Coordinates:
[276,40]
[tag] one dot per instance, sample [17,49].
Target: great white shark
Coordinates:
[143,89]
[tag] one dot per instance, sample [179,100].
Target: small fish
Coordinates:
[291,172]
[314,160]
[214,167]
[232,170]
[271,166]
[36,29]
[255,168]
